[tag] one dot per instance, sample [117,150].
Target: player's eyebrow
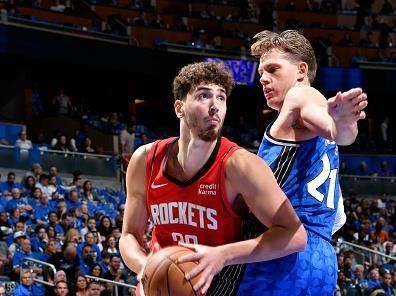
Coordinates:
[204,88]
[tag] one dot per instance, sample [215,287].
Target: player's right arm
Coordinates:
[135,213]
[335,119]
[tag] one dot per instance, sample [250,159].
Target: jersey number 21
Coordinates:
[325,174]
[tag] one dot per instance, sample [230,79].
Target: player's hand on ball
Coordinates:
[139,276]
[211,262]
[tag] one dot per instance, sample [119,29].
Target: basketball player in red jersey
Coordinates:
[197,187]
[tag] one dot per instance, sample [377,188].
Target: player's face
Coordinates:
[277,75]
[204,110]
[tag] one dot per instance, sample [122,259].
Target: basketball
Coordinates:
[164,276]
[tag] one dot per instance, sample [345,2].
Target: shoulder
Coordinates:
[241,161]
[143,151]
[301,94]
[140,155]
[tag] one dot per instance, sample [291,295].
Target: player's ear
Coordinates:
[302,71]
[178,105]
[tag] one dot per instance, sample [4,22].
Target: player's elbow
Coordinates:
[300,239]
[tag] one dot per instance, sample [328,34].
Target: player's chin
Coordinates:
[210,135]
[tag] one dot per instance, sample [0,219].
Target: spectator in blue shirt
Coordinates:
[18,202]
[40,239]
[27,287]
[7,186]
[73,201]
[87,259]
[374,279]
[42,210]
[89,241]
[15,216]
[21,254]
[28,186]
[53,170]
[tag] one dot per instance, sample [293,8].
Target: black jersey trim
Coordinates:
[199,174]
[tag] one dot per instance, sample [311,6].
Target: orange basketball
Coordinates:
[165,277]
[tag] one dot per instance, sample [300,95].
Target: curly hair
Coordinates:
[194,74]
[294,44]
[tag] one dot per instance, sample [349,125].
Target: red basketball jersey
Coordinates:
[196,211]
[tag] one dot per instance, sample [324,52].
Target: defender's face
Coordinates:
[204,110]
[277,75]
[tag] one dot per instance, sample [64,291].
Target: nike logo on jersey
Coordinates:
[156,186]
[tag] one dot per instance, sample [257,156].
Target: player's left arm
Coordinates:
[248,175]
[335,119]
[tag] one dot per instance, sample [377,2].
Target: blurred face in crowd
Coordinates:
[51,232]
[68,220]
[73,196]
[366,224]
[42,233]
[387,279]
[61,206]
[51,246]
[106,260]
[22,135]
[36,193]
[89,238]
[96,270]
[11,178]
[61,289]
[111,242]
[87,252]
[91,224]
[19,226]
[347,262]
[116,263]
[341,276]
[26,245]
[374,274]
[116,232]
[88,185]
[27,279]
[394,278]
[52,180]
[2,291]
[84,209]
[94,289]
[37,169]
[95,237]
[44,199]
[62,140]
[60,276]
[53,217]
[359,273]
[106,222]
[30,181]
[53,170]
[3,217]
[16,193]
[81,282]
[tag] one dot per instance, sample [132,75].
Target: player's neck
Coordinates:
[190,155]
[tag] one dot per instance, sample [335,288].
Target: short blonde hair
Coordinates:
[291,42]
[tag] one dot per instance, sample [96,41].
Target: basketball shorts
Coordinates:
[312,272]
